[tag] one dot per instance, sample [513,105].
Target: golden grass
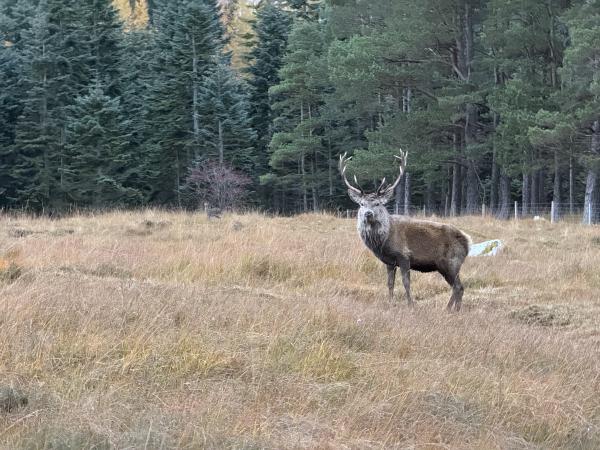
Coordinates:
[164,330]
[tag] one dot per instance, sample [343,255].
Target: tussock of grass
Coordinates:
[166,330]
[265,268]
[10,271]
[543,315]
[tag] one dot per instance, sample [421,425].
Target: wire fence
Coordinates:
[576,213]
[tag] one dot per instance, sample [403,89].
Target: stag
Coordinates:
[212,211]
[406,243]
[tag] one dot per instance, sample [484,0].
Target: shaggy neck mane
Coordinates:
[374,235]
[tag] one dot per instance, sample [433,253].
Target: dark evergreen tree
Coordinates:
[298,153]
[305,9]
[37,151]
[15,21]
[135,82]
[227,135]
[98,166]
[265,58]
[188,38]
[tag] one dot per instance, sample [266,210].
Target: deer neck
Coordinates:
[374,234]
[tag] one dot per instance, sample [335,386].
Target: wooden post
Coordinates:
[589,213]
[483,210]
[347,214]
[424,211]
[552,212]
[516,210]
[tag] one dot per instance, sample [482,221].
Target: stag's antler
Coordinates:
[343,164]
[402,158]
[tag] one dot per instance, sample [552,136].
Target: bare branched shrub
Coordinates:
[217,184]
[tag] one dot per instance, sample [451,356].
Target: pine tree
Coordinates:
[297,148]
[582,99]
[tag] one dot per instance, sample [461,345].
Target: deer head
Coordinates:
[372,209]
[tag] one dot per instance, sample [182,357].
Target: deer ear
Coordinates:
[356,198]
[387,196]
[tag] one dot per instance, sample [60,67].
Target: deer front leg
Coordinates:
[391,272]
[406,281]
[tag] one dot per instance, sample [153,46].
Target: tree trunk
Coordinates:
[464,44]
[472,189]
[399,200]
[221,144]
[504,197]
[542,197]
[315,196]
[463,189]
[556,191]
[571,183]
[589,206]
[177,178]
[302,167]
[535,198]
[407,194]
[195,115]
[456,188]
[525,195]
[304,190]
[494,182]
[330,166]
[313,165]
[456,179]
[406,100]
[429,197]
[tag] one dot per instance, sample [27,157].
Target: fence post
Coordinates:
[516,210]
[589,213]
[483,210]
[424,211]
[347,214]
[552,212]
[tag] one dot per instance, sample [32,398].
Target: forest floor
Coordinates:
[167,330]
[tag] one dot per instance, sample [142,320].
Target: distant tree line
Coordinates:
[494,101]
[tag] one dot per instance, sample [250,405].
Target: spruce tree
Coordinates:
[188,37]
[37,156]
[265,59]
[15,21]
[135,83]
[226,131]
[98,167]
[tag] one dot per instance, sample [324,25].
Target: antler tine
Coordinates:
[358,185]
[343,161]
[381,186]
[402,158]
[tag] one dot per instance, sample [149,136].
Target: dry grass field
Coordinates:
[166,330]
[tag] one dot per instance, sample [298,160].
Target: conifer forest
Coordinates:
[248,105]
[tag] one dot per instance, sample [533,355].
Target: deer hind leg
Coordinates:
[391,272]
[457,291]
[406,282]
